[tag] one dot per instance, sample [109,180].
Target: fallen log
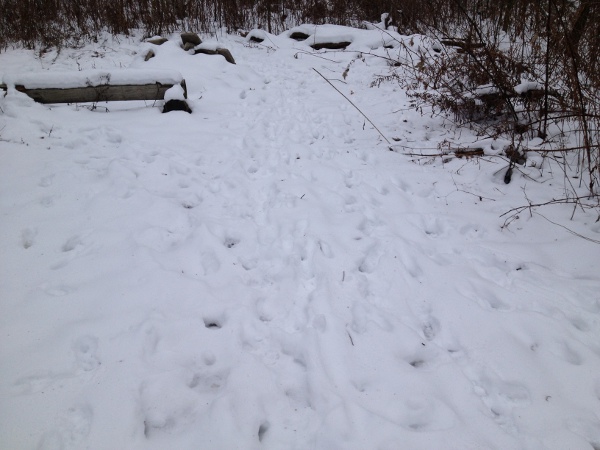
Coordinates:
[219,51]
[468,152]
[96,86]
[462,44]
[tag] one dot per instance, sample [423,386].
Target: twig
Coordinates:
[568,229]
[519,209]
[357,108]
[315,55]
[350,336]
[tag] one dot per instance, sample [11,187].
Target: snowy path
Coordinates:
[264,273]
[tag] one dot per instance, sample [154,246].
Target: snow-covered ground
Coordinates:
[266,273]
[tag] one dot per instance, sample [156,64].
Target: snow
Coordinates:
[363,40]
[526,86]
[211,46]
[175,92]
[61,79]
[265,273]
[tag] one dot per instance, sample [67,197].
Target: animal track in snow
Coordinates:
[210,263]
[565,352]
[262,430]
[71,244]
[215,322]
[28,236]
[371,260]
[208,382]
[231,242]
[85,349]
[73,427]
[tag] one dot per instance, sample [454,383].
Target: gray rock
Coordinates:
[190,37]
[176,105]
[157,41]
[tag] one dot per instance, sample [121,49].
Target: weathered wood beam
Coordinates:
[103,93]
[468,152]
[220,51]
[96,86]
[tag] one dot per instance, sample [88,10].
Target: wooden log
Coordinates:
[96,86]
[103,93]
[468,152]
[462,44]
[219,51]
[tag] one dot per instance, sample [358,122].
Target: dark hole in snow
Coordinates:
[417,363]
[212,324]
[298,36]
[264,427]
[331,45]
[231,242]
[176,105]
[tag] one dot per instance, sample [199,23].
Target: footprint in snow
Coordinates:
[28,236]
[72,429]
[262,430]
[210,262]
[85,349]
[565,352]
[205,382]
[370,261]
[71,244]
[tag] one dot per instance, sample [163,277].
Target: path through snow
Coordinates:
[264,273]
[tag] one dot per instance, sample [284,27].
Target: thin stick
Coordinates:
[357,108]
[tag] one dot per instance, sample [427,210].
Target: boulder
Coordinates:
[157,41]
[149,55]
[299,36]
[190,37]
[176,105]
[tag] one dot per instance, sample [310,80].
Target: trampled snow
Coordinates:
[266,273]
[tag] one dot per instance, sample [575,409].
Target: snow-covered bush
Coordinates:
[522,70]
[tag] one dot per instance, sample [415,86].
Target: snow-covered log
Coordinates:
[95,85]
[217,51]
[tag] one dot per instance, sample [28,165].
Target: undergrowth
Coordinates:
[522,71]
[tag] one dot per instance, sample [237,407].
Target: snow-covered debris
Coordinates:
[356,39]
[212,46]
[256,35]
[74,79]
[527,86]
[175,92]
